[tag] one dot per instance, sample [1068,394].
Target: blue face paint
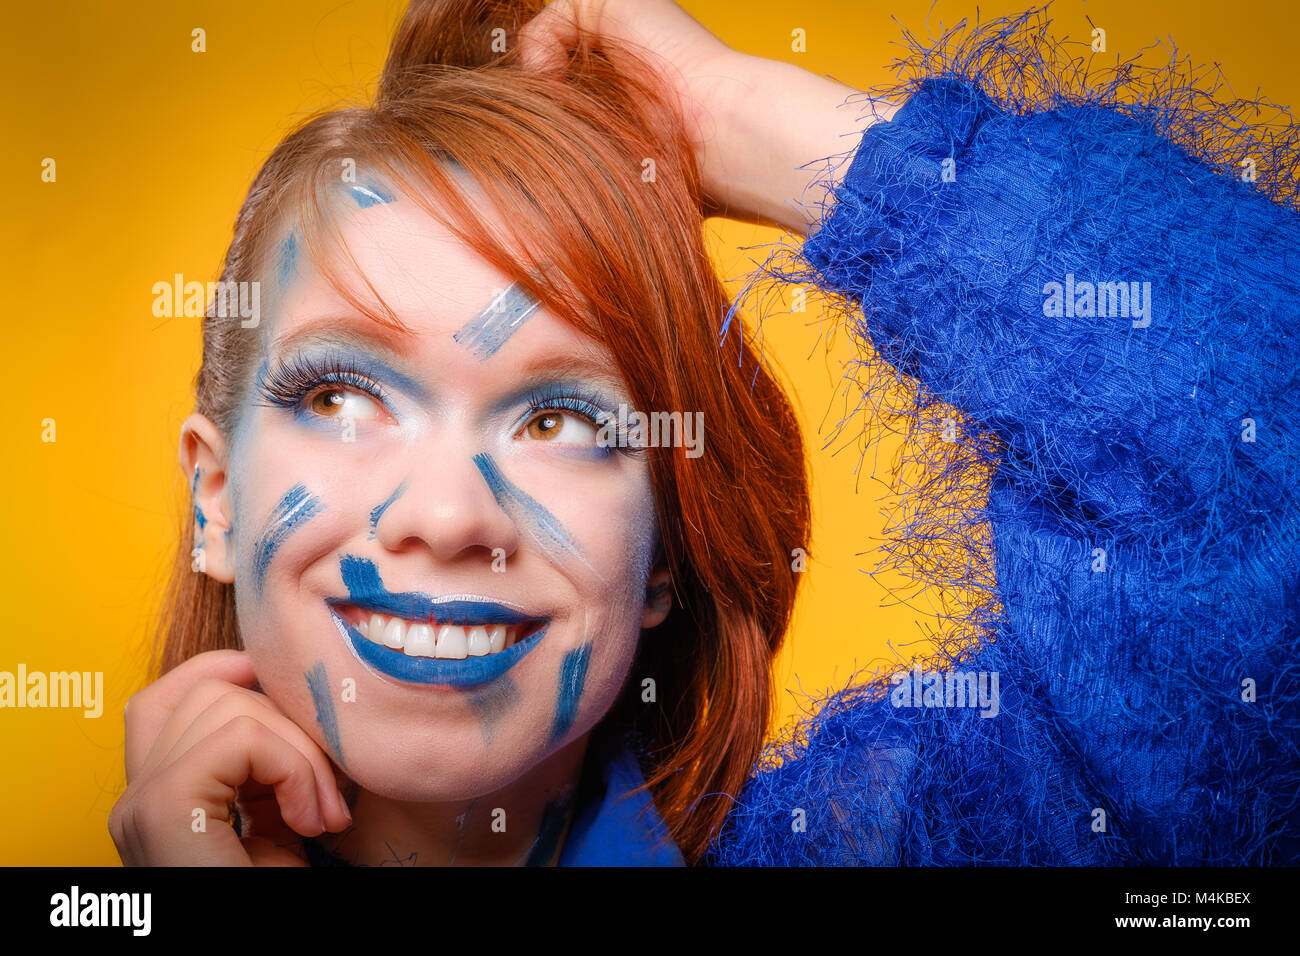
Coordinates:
[489,330]
[319,685]
[528,513]
[288,259]
[371,194]
[293,510]
[199,517]
[452,672]
[286,383]
[377,512]
[367,592]
[493,703]
[573,676]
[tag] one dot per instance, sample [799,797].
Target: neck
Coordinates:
[522,824]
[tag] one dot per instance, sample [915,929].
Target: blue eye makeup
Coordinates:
[318,386]
[577,398]
[327,386]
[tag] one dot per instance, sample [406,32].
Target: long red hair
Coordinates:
[619,254]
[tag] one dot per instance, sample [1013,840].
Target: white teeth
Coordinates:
[420,641]
[452,642]
[477,642]
[394,634]
[449,641]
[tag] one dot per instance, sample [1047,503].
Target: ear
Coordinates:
[203,460]
[658,596]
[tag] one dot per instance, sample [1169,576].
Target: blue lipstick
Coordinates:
[366,592]
[454,672]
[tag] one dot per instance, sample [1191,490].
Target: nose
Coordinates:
[445,506]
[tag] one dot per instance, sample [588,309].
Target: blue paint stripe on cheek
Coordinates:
[319,685]
[490,329]
[527,512]
[573,677]
[297,507]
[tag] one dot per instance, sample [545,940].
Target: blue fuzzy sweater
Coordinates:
[1136,558]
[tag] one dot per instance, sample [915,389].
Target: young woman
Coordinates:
[443,604]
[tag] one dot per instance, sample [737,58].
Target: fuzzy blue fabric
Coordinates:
[1135,553]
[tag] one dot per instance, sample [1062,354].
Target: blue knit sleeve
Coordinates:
[1115,325]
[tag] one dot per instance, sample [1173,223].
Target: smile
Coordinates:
[457,643]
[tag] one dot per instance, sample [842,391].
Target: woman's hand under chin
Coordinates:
[759,126]
[199,740]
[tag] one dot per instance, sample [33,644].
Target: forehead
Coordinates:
[435,284]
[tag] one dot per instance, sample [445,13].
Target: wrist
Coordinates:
[777,125]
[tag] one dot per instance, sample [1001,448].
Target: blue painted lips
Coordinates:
[453,672]
[366,592]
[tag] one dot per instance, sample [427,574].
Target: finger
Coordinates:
[210,773]
[147,711]
[236,702]
[199,698]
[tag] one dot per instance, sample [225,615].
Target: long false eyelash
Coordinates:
[545,399]
[291,381]
[590,407]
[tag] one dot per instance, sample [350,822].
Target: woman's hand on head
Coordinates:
[200,739]
[702,72]
[760,127]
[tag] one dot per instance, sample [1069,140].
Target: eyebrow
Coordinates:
[365,338]
[360,333]
[562,370]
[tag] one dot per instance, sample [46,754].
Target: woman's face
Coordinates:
[440,572]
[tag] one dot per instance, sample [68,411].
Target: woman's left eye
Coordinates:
[338,401]
[566,428]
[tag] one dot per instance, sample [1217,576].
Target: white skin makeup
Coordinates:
[433,764]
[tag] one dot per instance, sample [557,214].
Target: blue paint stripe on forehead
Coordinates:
[370,194]
[527,512]
[490,329]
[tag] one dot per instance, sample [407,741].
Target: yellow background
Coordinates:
[155,148]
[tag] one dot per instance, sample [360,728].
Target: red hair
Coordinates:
[621,256]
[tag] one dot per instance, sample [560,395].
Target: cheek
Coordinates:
[617,532]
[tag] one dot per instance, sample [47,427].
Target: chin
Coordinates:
[458,768]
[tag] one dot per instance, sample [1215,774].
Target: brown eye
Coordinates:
[545,427]
[561,428]
[328,402]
